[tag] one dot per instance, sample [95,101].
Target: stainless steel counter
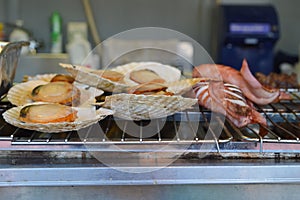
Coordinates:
[89,172]
[33,176]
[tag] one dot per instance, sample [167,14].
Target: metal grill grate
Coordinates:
[283,133]
[117,134]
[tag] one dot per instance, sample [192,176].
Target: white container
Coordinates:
[78,49]
[76,28]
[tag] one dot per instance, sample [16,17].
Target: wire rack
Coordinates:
[190,129]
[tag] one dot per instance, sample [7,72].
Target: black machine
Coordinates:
[250,32]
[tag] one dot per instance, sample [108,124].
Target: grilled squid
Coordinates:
[258,89]
[228,100]
[248,84]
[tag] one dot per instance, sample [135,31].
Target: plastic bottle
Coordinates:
[56,33]
[78,49]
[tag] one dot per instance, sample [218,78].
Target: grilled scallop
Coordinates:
[62,78]
[57,92]
[145,75]
[141,72]
[111,75]
[47,113]
[150,88]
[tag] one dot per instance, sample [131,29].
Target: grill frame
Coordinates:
[71,164]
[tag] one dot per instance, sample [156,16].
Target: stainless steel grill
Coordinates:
[283,133]
[30,158]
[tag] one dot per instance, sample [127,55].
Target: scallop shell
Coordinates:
[143,107]
[166,72]
[20,94]
[42,77]
[86,76]
[182,86]
[86,116]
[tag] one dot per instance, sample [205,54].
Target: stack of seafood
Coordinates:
[61,102]
[53,103]
[138,91]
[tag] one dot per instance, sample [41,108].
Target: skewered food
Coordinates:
[47,113]
[57,92]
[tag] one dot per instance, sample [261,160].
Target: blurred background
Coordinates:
[195,18]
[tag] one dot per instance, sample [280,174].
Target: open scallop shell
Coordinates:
[20,94]
[86,116]
[143,107]
[182,86]
[41,77]
[166,72]
[86,76]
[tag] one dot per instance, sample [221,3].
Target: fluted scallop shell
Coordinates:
[182,86]
[42,77]
[143,107]
[166,72]
[20,94]
[86,116]
[86,76]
